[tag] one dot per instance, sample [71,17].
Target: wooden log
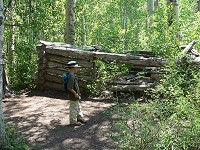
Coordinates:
[195,53]
[145,62]
[136,82]
[51,64]
[39,78]
[61,71]
[68,52]
[148,72]
[146,68]
[121,58]
[53,78]
[156,76]
[182,47]
[59,79]
[144,53]
[189,47]
[64,61]
[41,69]
[57,44]
[48,85]
[53,86]
[131,88]
[196,61]
[56,71]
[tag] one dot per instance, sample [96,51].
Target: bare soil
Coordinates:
[42,117]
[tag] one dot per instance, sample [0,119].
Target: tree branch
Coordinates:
[8,5]
[12,25]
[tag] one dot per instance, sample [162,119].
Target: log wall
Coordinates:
[53,57]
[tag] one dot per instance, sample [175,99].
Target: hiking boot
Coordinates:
[81,120]
[75,124]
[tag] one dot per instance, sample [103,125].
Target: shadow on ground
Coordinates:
[42,118]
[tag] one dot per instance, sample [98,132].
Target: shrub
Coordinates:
[14,140]
[106,72]
[171,119]
[22,73]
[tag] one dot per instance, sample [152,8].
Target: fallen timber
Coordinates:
[145,70]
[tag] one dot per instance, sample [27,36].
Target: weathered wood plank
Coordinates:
[60,65]
[189,47]
[60,72]
[82,63]
[59,79]
[121,58]
[53,86]
[69,52]
[131,88]
[65,60]
[48,85]
[136,82]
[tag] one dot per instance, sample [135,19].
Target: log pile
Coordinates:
[53,57]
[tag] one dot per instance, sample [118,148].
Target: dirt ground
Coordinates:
[43,119]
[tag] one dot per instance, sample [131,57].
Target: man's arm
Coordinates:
[70,86]
[73,92]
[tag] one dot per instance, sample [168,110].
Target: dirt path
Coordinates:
[42,118]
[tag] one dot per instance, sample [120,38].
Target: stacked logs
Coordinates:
[145,70]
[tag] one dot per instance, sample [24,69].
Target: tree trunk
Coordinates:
[10,37]
[198,5]
[150,7]
[2,129]
[10,46]
[156,3]
[126,31]
[83,32]
[174,11]
[70,22]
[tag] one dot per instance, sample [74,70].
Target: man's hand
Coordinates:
[77,96]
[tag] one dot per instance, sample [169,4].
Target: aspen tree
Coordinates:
[2,129]
[70,22]
[174,11]
[198,5]
[150,9]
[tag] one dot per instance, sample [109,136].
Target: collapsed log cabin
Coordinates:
[145,69]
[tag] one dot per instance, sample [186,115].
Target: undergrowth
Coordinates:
[14,141]
[170,121]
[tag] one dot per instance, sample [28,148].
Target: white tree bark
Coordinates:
[2,130]
[10,37]
[150,5]
[176,9]
[70,22]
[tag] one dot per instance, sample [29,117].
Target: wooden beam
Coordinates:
[125,88]
[189,47]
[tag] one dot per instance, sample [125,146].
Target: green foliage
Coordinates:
[106,71]
[115,25]
[22,74]
[15,140]
[171,119]
[162,38]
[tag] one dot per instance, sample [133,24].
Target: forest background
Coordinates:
[116,26]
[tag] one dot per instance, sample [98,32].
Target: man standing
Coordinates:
[74,95]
